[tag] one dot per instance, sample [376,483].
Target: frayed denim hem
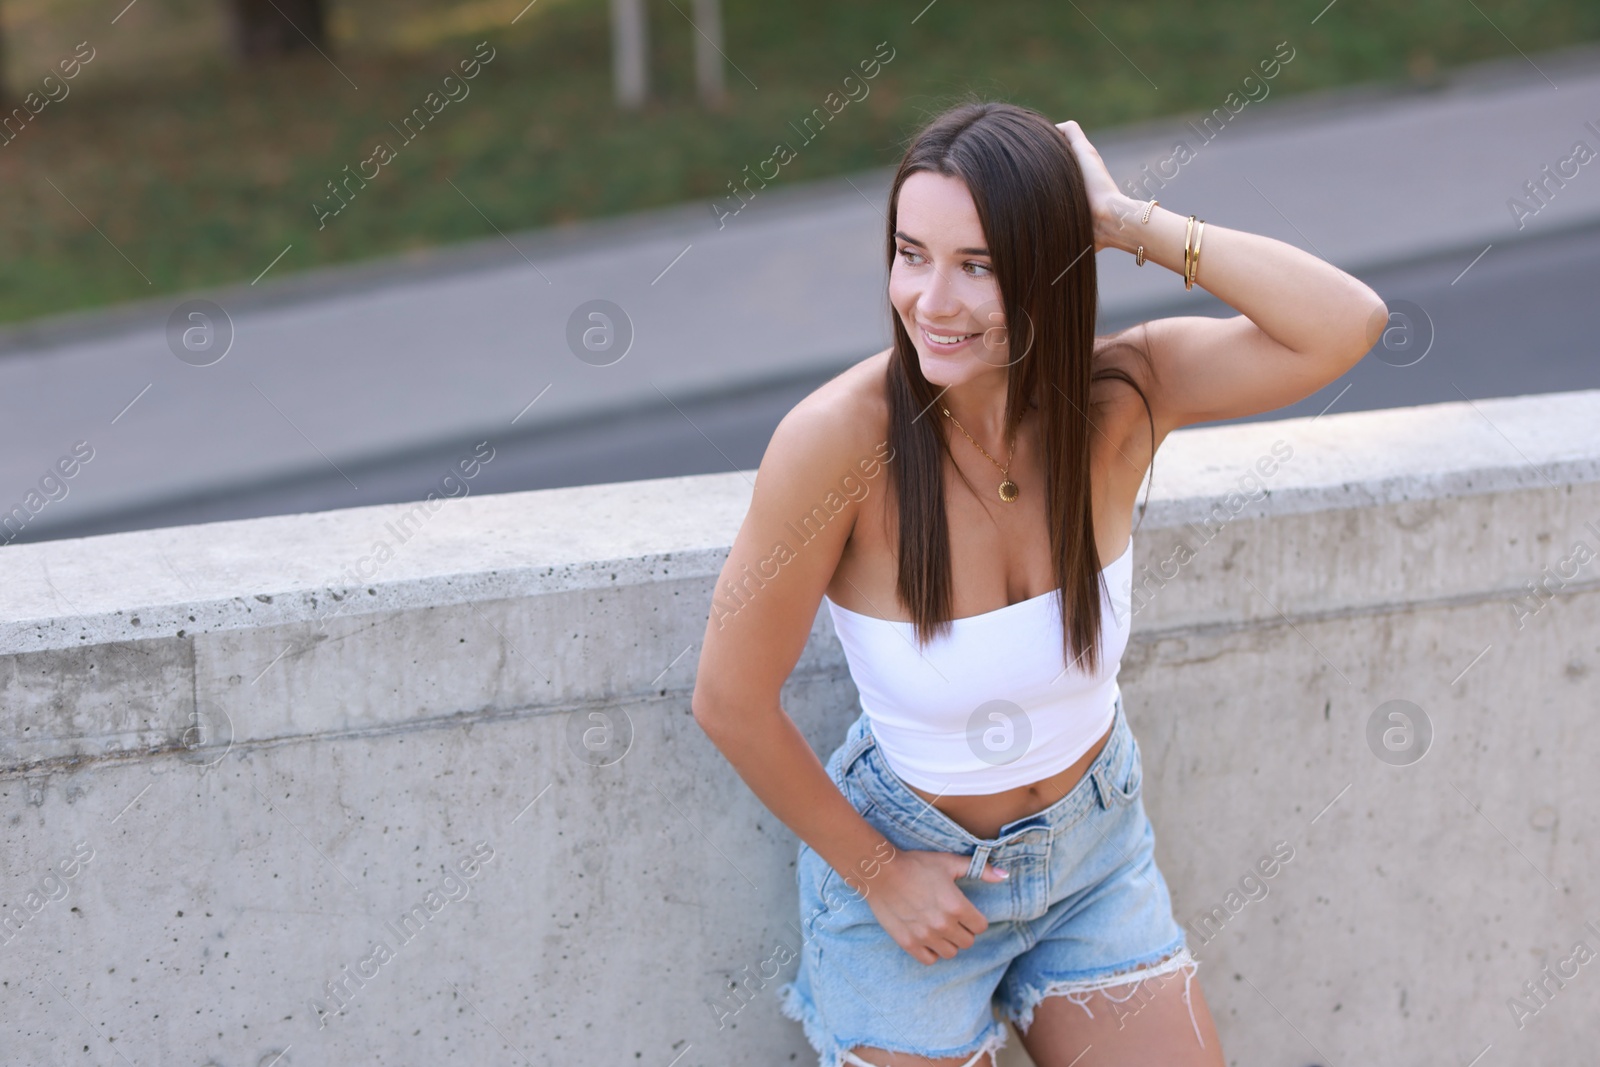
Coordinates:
[1079,991]
[832,1053]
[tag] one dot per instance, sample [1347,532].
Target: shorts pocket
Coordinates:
[832,890]
[857,795]
[1128,780]
[839,902]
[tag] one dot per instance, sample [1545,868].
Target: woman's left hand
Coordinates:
[1109,205]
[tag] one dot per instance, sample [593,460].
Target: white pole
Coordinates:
[708,51]
[630,54]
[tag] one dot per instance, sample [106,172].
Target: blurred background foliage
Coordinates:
[201,168]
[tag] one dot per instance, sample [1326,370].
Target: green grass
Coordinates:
[201,172]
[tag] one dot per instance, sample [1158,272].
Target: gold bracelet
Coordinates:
[1138,259]
[1194,269]
[1188,251]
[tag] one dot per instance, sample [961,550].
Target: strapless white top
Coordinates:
[992,704]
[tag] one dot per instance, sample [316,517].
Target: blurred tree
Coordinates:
[265,28]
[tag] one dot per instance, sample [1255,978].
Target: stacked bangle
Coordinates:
[1193,259]
[1193,231]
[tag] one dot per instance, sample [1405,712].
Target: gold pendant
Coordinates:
[1009,490]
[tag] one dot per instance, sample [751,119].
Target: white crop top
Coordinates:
[947,717]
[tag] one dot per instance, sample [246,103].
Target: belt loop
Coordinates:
[858,739]
[1100,788]
[979,858]
[1110,756]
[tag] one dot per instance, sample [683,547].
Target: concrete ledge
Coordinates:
[275,738]
[253,573]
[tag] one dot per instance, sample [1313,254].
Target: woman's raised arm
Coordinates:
[1303,322]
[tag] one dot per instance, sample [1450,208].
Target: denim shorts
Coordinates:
[1085,909]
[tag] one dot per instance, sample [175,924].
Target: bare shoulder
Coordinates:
[808,492]
[837,423]
[855,392]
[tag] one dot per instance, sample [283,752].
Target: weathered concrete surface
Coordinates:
[255,753]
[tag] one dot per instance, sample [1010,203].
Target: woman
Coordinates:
[977,847]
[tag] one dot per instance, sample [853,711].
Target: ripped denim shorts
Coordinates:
[1085,909]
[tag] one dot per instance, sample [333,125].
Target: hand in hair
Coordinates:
[1110,206]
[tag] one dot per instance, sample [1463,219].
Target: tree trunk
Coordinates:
[708,53]
[630,63]
[265,28]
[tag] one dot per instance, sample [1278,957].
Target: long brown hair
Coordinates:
[1031,201]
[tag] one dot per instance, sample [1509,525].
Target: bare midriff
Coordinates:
[983,814]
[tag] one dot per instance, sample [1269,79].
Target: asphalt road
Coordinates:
[1521,319]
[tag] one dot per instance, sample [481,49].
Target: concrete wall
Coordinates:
[235,757]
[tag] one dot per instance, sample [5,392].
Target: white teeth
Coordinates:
[946,340]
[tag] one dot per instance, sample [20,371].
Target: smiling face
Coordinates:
[942,282]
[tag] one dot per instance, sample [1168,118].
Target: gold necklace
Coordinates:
[1008,488]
